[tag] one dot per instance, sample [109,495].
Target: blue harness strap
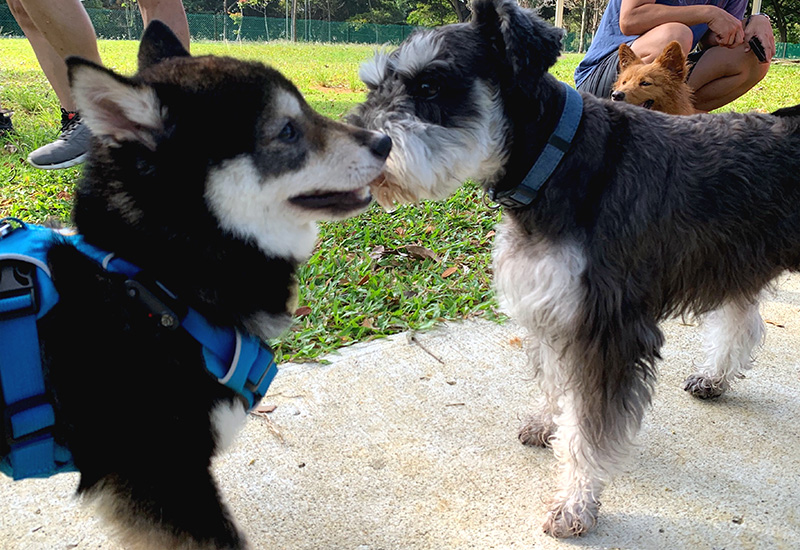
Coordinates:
[550,157]
[28,415]
[240,361]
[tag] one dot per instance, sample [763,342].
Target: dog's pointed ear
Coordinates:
[627,57]
[530,45]
[672,59]
[159,43]
[115,108]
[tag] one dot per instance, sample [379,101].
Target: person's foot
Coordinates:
[71,147]
[5,122]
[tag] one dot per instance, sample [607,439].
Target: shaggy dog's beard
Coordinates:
[429,161]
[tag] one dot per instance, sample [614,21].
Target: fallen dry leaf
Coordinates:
[449,271]
[265,408]
[369,322]
[422,252]
[302,311]
[363,280]
[516,342]
[377,252]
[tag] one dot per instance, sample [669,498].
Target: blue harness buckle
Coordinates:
[17,289]
[37,404]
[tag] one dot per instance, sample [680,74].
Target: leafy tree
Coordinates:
[431,13]
[260,6]
[785,16]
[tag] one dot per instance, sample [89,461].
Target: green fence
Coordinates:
[127,24]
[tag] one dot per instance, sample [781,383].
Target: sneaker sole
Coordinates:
[66,164]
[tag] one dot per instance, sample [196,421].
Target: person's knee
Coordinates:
[650,44]
[680,33]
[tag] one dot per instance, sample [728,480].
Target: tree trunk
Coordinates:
[780,22]
[294,20]
[583,27]
[462,12]
[225,20]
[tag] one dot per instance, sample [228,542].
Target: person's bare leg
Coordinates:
[52,64]
[649,45]
[65,25]
[169,12]
[724,74]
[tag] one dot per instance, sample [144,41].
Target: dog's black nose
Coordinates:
[617,96]
[381,146]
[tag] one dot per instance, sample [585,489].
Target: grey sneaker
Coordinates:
[71,147]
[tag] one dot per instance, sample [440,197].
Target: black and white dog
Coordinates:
[220,215]
[616,217]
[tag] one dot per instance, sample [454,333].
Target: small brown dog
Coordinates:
[660,85]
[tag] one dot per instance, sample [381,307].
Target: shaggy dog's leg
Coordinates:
[609,379]
[731,334]
[539,427]
[538,284]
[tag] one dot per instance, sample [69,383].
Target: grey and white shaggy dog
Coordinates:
[646,216]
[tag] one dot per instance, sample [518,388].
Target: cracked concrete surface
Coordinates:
[411,445]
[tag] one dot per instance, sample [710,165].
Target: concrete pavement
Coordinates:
[410,444]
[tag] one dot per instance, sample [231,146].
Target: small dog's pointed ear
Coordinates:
[159,43]
[627,57]
[672,59]
[115,108]
[530,45]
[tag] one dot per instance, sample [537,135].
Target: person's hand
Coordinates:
[726,30]
[760,27]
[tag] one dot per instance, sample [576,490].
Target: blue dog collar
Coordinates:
[239,361]
[549,159]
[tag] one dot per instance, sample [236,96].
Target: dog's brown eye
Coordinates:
[428,90]
[645,83]
[288,133]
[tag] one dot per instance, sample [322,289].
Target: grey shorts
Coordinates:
[602,78]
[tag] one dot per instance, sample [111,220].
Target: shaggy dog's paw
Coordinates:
[704,387]
[570,519]
[537,432]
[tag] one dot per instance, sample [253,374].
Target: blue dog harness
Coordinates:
[239,361]
[549,159]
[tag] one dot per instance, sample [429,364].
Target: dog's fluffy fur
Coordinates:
[647,216]
[208,173]
[660,85]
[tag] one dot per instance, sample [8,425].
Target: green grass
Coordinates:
[366,278]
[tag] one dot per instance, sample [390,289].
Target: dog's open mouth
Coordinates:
[648,104]
[339,201]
